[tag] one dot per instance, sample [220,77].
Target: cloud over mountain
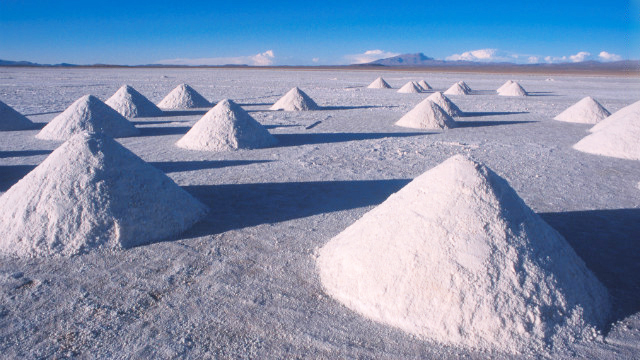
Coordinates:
[262,59]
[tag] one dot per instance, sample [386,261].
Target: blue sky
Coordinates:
[322,32]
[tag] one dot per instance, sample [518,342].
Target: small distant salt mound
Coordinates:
[619,138]
[295,100]
[513,89]
[424,85]
[586,111]
[627,110]
[226,127]
[10,119]
[379,83]
[456,89]
[87,114]
[410,87]
[456,256]
[465,86]
[184,97]
[130,103]
[92,193]
[447,105]
[427,115]
[504,86]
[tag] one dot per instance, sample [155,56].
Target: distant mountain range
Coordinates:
[29,63]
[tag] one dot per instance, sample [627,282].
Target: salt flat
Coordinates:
[243,282]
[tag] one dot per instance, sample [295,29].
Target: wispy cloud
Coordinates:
[369,56]
[263,59]
[606,56]
[484,55]
[579,57]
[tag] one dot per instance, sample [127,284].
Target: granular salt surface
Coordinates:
[456,89]
[447,105]
[295,100]
[130,103]
[10,119]
[427,115]
[586,111]
[379,83]
[184,97]
[619,138]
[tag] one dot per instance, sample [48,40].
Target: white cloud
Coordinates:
[606,56]
[533,59]
[315,60]
[369,56]
[579,57]
[263,59]
[483,55]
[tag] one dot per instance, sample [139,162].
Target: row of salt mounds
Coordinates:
[410,87]
[87,114]
[130,103]
[295,100]
[10,119]
[513,89]
[92,193]
[504,86]
[379,83]
[586,111]
[427,115]
[447,105]
[226,127]
[184,97]
[619,137]
[456,256]
[424,85]
[456,89]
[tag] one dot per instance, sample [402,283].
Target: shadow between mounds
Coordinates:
[279,126]
[44,113]
[320,108]
[608,241]
[256,104]
[161,131]
[157,122]
[491,113]
[183,112]
[23,153]
[328,138]
[541,93]
[467,124]
[11,174]
[178,166]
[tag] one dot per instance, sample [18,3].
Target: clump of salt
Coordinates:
[513,89]
[295,100]
[456,89]
[379,83]
[424,85]
[427,115]
[504,86]
[619,138]
[10,119]
[184,97]
[410,87]
[130,103]
[586,111]
[447,105]
[465,86]
[627,110]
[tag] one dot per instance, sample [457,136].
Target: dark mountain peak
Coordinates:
[404,60]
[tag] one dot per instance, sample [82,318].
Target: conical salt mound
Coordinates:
[424,85]
[410,87]
[226,127]
[295,100]
[130,103]
[627,110]
[427,115]
[513,89]
[620,138]
[465,86]
[447,105]
[586,111]
[457,257]
[184,97]
[456,89]
[504,86]
[92,193]
[87,114]
[379,83]
[10,119]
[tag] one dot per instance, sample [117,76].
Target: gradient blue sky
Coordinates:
[331,32]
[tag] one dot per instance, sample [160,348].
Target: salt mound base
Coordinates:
[226,127]
[10,119]
[184,97]
[456,89]
[379,83]
[130,103]
[504,86]
[465,86]
[457,257]
[586,111]
[295,100]
[410,87]
[513,89]
[619,138]
[447,105]
[87,114]
[424,85]
[627,110]
[92,193]
[427,115]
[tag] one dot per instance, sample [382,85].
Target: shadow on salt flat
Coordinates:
[327,138]
[466,124]
[183,112]
[161,131]
[11,174]
[178,166]
[491,113]
[158,122]
[23,153]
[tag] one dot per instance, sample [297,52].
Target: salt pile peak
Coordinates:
[184,97]
[91,193]
[627,110]
[504,86]
[87,114]
[427,115]
[447,105]
[586,111]
[410,87]
[457,257]
[513,89]
[424,85]
[379,83]
[295,100]
[619,138]
[456,89]
[10,119]
[226,127]
[130,103]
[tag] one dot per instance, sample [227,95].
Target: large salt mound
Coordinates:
[457,257]
[295,100]
[10,119]
[633,109]
[586,111]
[620,138]
[87,114]
[447,105]
[226,127]
[91,193]
[410,87]
[427,115]
[504,86]
[513,89]
[424,85]
[130,103]
[184,97]
[379,83]
[456,89]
